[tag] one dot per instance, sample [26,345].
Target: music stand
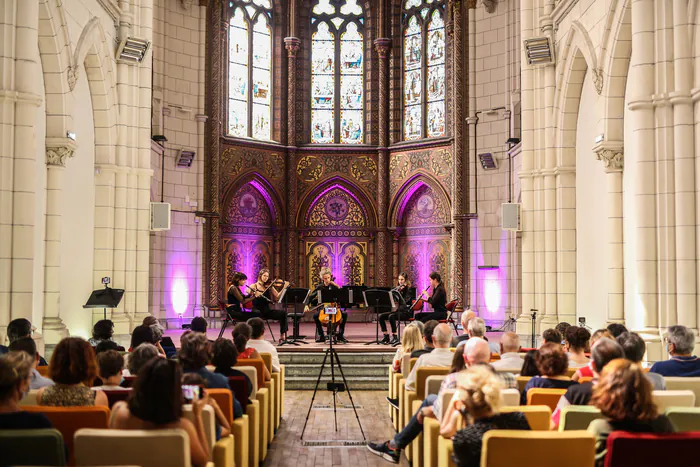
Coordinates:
[380,299]
[411,292]
[295,297]
[105,298]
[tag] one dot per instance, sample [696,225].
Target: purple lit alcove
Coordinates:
[490,294]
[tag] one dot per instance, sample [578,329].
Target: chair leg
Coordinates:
[270,329]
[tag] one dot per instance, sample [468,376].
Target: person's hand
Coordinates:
[286,284]
[420,416]
[198,405]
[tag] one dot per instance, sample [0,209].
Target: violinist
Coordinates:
[236,299]
[403,312]
[328,284]
[437,299]
[265,292]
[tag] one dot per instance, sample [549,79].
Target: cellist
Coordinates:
[327,284]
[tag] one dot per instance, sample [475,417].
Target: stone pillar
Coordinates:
[459,174]
[383,48]
[57,153]
[612,157]
[395,253]
[292,45]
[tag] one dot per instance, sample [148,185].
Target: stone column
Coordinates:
[383,48]
[292,45]
[612,157]
[395,253]
[57,153]
[459,174]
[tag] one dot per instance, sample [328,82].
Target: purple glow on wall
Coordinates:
[492,292]
[407,197]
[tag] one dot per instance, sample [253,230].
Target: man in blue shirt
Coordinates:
[680,345]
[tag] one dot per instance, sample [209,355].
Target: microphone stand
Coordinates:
[534,327]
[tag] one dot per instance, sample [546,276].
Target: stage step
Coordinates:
[363,371]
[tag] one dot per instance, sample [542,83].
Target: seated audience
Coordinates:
[258,342]
[576,341]
[529,367]
[410,340]
[140,335]
[587,371]
[150,320]
[552,363]
[562,327]
[107,345]
[199,324]
[17,329]
[552,335]
[110,365]
[156,403]
[15,376]
[476,328]
[428,329]
[603,352]
[624,397]
[72,370]
[634,348]
[241,337]
[616,329]
[139,357]
[103,330]
[464,320]
[477,402]
[441,355]
[223,427]
[510,359]
[225,358]
[27,344]
[680,344]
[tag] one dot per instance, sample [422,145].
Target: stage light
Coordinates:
[179,296]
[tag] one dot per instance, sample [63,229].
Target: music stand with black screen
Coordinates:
[295,297]
[379,299]
[105,298]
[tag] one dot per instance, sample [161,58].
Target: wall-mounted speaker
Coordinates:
[510,217]
[160,217]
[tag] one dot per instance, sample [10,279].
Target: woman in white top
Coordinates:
[576,341]
[411,340]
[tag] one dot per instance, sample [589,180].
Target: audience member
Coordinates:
[17,329]
[576,339]
[552,335]
[441,356]
[562,327]
[140,335]
[477,402]
[150,320]
[225,358]
[587,371]
[170,351]
[241,336]
[476,328]
[428,329]
[27,344]
[529,364]
[156,403]
[199,324]
[223,427]
[72,370]
[108,345]
[110,365]
[103,330]
[624,397]
[258,342]
[420,325]
[140,356]
[510,359]
[603,352]
[680,345]
[634,348]
[616,329]
[552,363]
[464,319]
[15,376]
[410,340]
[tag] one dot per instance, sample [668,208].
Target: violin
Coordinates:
[418,304]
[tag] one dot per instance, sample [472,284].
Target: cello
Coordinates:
[418,304]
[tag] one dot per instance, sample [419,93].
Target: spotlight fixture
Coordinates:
[488,162]
[513,141]
[539,51]
[488,267]
[185,158]
[132,49]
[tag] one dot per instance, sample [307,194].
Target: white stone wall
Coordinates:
[178,113]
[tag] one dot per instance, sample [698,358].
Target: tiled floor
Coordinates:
[287,449]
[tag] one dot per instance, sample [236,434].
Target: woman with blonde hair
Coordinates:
[624,397]
[476,405]
[411,340]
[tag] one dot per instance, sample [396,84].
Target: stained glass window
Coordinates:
[250,69]
[424,69]
[337,72]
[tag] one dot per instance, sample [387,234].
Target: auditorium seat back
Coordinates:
[32,447]
[252,375]
[114,396]
[545,396]
[433,383]
[522,381]
[208,420]
[585,379]
[258,364]
[538,416]
[510,397]
[677,398]
[146,448]
[29,399]
[405,365]
[422,374]
[677,449]
[43,370]
[224,398]
[578,417]
[570,372]
[678,383]
[239,387]
[223,452]
[543,448]
[684,418]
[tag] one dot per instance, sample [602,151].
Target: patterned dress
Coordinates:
[61,395]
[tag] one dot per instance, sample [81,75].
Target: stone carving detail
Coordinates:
[612,158]
[57,155]
[336,208]
[489,5]
[73,75]
[186,4]
[598,80]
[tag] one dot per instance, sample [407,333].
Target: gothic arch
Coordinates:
[265,189]
[567,107]
[350,188]
[406,192]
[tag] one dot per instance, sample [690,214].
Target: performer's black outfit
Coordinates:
[261,305]
[438,301]
[403,312]
[234,309]
[313,301]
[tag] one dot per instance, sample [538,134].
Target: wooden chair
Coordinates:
[32,447]
[545,396]
[239,427]
[678,449]
[684,418]
[578,417]
[679,383]
[538,416]
[68,420]
[277,390]
[542,448]
[671,398]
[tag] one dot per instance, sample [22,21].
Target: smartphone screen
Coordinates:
[191,393]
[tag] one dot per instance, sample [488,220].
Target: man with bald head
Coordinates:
[440,356]
[465,318]
[510,360]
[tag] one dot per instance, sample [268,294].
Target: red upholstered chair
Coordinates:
[128,381]
[680,449]
[115,395]
[450,319]
[239,387]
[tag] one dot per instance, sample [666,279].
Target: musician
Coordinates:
[402,294]
[437,299]
[327,284]
[236,299]
[266,293]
